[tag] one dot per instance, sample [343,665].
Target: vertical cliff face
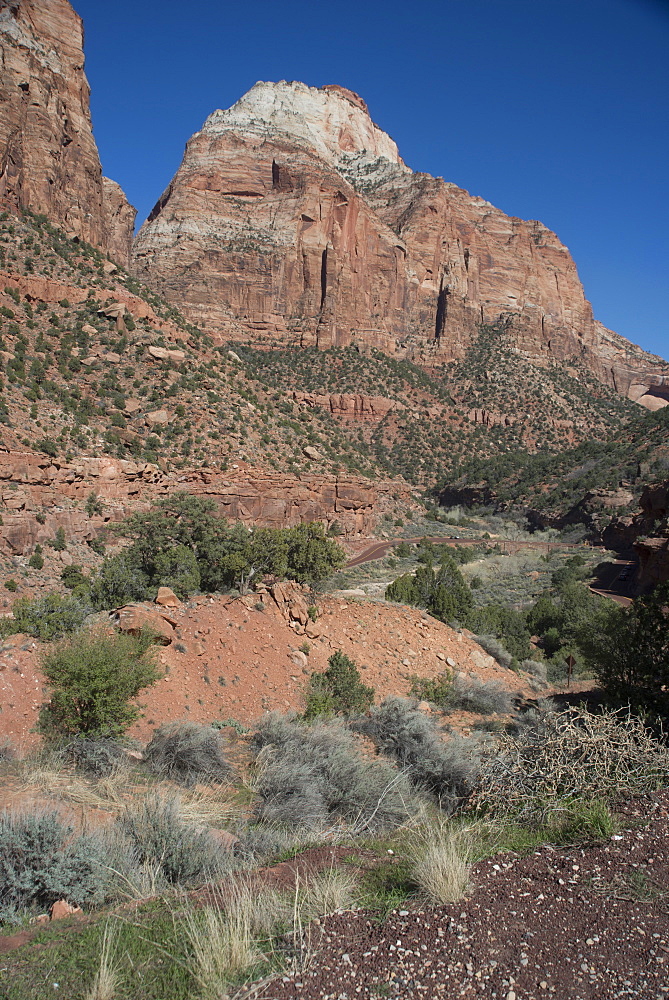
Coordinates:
[292,217]
[48,157]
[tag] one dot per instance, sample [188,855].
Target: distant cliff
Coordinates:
[293,219]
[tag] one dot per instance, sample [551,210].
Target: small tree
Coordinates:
[338,690]
[630,652]
[93,676]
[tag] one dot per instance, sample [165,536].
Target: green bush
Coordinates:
[93,504]
[59,543]
[36,561]
[93,676]
[630,652]
[442,591]
[119,582]
[49,617]
[338,690]
[186,752]
[432,689]
[11,585]
[224,555]
[41,862]
[72,577]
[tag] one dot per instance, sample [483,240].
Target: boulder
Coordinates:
[61,908]
[167,598]
[134,617]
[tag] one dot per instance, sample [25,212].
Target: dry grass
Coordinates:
[328,891]
[442,866]
[106,983]
[224,938]
[206,806]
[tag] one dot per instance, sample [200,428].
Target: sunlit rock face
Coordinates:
[293,219]
[49,161]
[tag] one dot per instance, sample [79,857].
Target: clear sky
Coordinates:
[551,109]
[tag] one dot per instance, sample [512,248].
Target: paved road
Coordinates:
[610,584]
[379,549]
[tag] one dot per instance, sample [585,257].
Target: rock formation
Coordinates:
[49,161]
[293,219]
[31,484]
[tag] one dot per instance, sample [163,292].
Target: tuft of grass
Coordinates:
[328,891]
[443,862]
[222,943]
[107,979]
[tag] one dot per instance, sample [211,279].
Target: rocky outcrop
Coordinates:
[293,219]
[32,485]
[119,222]
[349,406]
[49,161]
[652,547]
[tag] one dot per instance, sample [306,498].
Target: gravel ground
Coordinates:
[575,924]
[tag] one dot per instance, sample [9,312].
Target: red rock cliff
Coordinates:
[48,157]
[293,218]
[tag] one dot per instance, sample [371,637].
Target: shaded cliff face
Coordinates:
[293,219]
[49,161]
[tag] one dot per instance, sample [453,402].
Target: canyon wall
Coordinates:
[293,219]
[49,161]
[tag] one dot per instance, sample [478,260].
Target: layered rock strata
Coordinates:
[30,484]
[293,219]
[49,161]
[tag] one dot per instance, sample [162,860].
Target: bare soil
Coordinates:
[587,923]
[230,660]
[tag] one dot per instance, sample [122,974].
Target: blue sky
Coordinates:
[551,109]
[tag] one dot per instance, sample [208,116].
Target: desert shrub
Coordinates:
[92,677]
[536,668]
[49,617]
[11,585]
[41,862]
[7,749]
[446,770]
[187,752]
[72,577]
[36,561]
[469,694]
[338,690]
[183,852]
[99,758]
[540,768]
[494,648]
[433,689]
[312,776]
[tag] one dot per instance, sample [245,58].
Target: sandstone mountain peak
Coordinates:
[49,161]
[293,220]
[332,121]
